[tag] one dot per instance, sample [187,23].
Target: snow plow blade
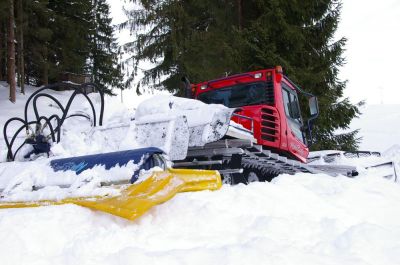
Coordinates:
[138,198]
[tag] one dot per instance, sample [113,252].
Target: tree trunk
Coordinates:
[21,64]
[11,51]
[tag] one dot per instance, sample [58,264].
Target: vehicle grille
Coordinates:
[269,125]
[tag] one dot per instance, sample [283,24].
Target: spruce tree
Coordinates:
[300,37]
[103,58]
[56,36]
[3,39]
[181,38]
[37,42]
[205,39]
[70,36]
[11,51]
[20,39]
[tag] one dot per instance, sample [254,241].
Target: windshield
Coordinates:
[238,95]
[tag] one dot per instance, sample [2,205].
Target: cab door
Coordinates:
[296,140]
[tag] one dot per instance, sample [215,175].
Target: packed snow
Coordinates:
[300,219]
[173,123]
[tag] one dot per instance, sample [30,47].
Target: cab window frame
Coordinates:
[289,108]
[287,95]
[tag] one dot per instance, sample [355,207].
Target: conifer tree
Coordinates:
[103,61]
[20,32]
[70,36]
[11,51]
[205,39]
[37,37]
[2,63]
[300,37]
[189,36]
[56,36]
[3,38]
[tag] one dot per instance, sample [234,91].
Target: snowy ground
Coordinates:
[301,219]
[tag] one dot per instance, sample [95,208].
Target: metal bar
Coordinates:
[213,152]
[231,171]
[361,153]
[66,186]
[334,170]
[391,164]
[380,165]
[198,163]
[246,118]
[229,77]
[227,143]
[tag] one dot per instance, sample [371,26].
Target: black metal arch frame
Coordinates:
[54,132]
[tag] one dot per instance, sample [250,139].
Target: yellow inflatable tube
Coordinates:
[136,199]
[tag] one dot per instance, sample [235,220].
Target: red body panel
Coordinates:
[271,128]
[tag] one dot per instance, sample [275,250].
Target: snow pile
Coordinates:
[301,219]
[164,107]
[57,185]
[173,123]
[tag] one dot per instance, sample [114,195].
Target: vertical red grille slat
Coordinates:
[269,125]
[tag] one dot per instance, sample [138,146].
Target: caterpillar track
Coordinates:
[241,161]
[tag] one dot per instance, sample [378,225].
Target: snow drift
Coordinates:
[300,219]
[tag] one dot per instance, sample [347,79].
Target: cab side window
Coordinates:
[292,110]
[291,104]
[286,102]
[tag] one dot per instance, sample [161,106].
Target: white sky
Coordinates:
[372,51]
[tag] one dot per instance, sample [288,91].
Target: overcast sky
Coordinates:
[372,51]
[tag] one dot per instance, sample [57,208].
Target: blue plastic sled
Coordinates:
[110,160]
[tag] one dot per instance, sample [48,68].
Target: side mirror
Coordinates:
[313,103]
[187,87]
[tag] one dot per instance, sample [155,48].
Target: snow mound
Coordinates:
[302,219]
[164,107]
[173,124]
